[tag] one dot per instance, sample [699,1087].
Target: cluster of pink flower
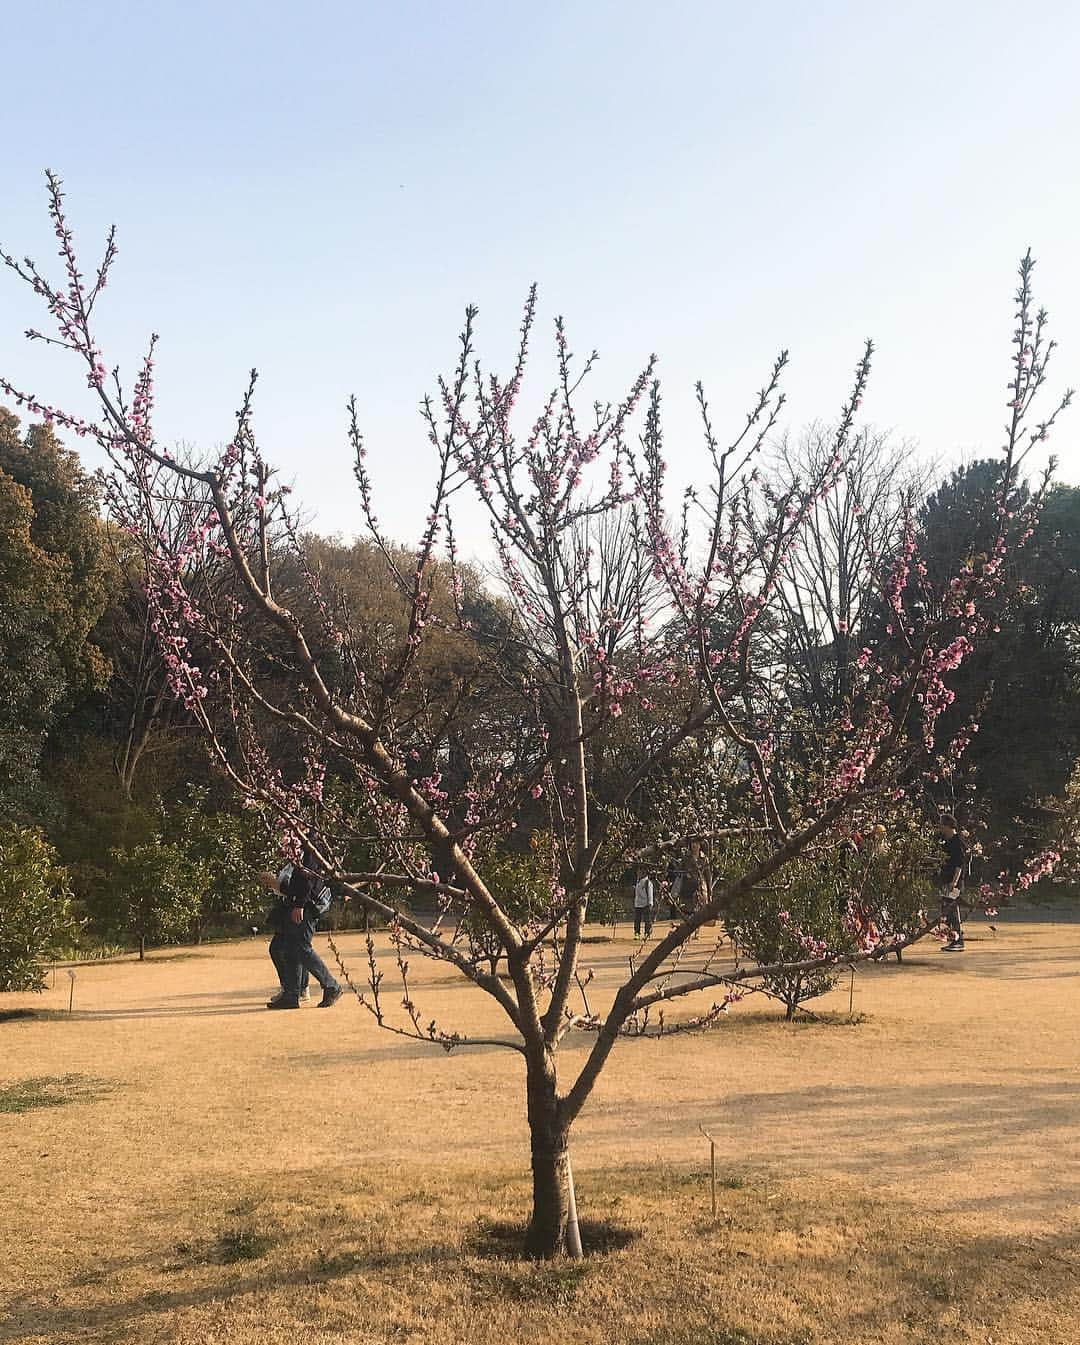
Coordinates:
[1039,866]
[898,579]
[861,755]
[811,946]
[289,806]
[666,565]
[934,696]
[430,786]
[860,923]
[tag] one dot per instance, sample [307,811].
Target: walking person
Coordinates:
[305,898]
[951,876]
[275,922]
[644,903]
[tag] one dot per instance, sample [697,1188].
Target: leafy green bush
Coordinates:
[852,895]
[157,893]
[35,909]
[892,883]
[522,885]
[797,921]
[606,905]
[223,850]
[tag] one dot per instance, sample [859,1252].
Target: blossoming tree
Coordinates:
[556,686]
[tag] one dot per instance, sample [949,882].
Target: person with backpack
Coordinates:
[275,923]
[644,902]
[304,900]
[951,878]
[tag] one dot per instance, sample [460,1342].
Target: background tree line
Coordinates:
[115,826]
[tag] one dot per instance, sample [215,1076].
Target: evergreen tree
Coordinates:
[53,589]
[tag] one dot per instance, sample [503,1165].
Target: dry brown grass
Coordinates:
[250,1178]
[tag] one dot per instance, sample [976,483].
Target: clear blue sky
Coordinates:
[319,189]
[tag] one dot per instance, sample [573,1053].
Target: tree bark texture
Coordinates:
[546,1234]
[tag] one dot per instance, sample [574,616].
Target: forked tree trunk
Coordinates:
[546,1234]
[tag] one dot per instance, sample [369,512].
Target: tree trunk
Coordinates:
[142,947]
[546,1235]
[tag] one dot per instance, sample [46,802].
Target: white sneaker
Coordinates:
[305,995]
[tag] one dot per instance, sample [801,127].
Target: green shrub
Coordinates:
[157,893]
[223,850]
[896,877]
[794,922]
[521,884]
[838,900]
[35,907]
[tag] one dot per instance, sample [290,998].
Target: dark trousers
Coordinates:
[295,959]
[280,955]
[950,910]
[646,913]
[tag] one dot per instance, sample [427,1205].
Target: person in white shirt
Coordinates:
[644,902]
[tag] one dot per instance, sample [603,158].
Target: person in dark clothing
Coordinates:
[275,923]
[950,877]
[305,898]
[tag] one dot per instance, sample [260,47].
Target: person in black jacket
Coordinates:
[304,899]
[275,922]
[950,877]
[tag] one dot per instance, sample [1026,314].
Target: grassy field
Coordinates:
[185,1167]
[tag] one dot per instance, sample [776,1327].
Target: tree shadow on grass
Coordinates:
[1002,963]
[42,1319]
[131,958]
[929,1279]
[879,1132]
[158,1011]
[242,993]
[384,1046]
